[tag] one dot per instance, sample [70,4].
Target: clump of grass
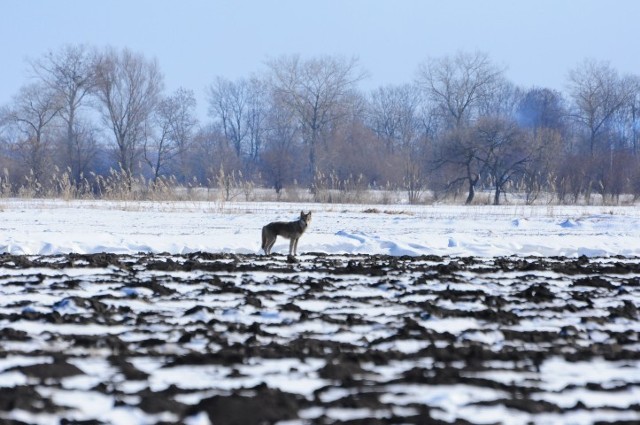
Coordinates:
[388,212]
[225,187]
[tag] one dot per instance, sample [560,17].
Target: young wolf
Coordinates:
[291,230]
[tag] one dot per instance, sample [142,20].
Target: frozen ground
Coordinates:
[53,227]
[145,313]
[229,339]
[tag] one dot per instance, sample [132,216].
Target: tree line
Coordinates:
[87,115]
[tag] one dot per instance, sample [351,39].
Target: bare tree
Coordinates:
[622,130]
[359,159]
[211,154]
[598,93]
[457,154]
[393,115]
[128,87]
[503,149]
[396,117]
[316,90]
[541,171]
[503,101]
[32,113]
[459,84]
[228,104]
[256,117]
[240,108]
[280,156]
[634,113]
[175,122]
[69,72]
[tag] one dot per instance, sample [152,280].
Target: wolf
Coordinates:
[291,230]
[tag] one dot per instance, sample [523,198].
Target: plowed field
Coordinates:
[324,339]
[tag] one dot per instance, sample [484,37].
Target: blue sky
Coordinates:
[538,41]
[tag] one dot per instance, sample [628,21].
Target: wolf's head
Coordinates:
[305,217]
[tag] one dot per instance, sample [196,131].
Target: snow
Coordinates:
[38,227]
[58,227]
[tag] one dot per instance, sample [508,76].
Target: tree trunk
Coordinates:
[496,196]
[472,186]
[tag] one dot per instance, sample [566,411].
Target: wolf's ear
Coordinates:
[301,213]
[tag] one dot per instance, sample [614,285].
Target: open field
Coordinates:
[161,312]
[224,339]
[54,227]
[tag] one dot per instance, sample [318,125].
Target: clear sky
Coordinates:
[538,41]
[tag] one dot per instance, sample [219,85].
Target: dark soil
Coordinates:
[377,334]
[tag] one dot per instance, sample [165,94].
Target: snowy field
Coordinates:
[54,227]
[166,313]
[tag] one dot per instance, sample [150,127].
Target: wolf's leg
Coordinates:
[271,242]
[291,245]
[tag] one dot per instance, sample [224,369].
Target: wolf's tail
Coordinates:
[264,238]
